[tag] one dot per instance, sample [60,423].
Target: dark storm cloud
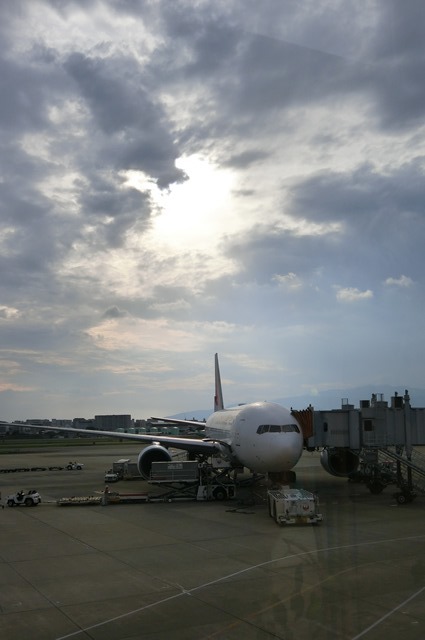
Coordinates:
[37,335]
[205,28]
[265,252]
[364,198]
[396,56]
[122,108]
[113,209]
[109,88]
[269,91]
[31,241]
[245,158]
[113,313]
[23,101]
[30,85]
[281,74]
[257,71]
[375,51]
[63,6]
[200,53]
[242,81]
[401,33]
[252,75]
[332,50]
[128,130]
[377,211]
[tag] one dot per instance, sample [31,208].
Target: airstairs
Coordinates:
[384,465]
[410,470]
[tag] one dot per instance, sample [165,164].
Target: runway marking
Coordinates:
[256,566]
[280,602]
[387,615]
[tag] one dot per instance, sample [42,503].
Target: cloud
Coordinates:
[175,305]
[352,294]
[8,313]
[178,181]
[288,281]
[7,386]
[402,281]
[114,312]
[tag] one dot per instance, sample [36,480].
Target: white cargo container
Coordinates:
[292,506]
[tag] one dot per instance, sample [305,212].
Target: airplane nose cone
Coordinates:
[287,452]
[292,459]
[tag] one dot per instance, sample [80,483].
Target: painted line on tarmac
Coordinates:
[387,615]
[188,592]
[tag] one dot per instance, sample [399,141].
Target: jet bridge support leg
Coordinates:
[407,492]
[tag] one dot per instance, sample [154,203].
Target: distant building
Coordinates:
[18,426]
[83,423]
[112,423]
[43,422]
[62,422]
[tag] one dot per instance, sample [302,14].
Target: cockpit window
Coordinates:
[277,428]
[288,428]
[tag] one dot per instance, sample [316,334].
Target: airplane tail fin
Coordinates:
[218,397]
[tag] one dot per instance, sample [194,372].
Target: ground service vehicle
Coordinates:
[293,506]
[111,476]
[30,498]
[74,465]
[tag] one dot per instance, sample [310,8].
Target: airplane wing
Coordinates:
[192,445]
[177,421]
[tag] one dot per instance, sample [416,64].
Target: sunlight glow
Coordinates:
[195,213]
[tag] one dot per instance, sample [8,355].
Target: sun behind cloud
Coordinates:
[191,214]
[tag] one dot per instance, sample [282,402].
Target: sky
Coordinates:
[190,177]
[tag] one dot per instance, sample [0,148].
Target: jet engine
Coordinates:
[153,453]
[339,462]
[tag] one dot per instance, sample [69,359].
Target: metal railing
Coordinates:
[413,465]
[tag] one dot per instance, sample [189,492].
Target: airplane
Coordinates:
[263,437]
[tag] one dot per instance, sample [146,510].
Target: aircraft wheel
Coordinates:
[292,477]
[219,494]
[375,487]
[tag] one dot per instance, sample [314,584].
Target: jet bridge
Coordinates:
[374,443]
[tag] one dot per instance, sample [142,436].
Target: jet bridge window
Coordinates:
[277,428]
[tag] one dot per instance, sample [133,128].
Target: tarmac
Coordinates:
[205,570]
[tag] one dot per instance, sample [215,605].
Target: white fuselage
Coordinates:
[263,436]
